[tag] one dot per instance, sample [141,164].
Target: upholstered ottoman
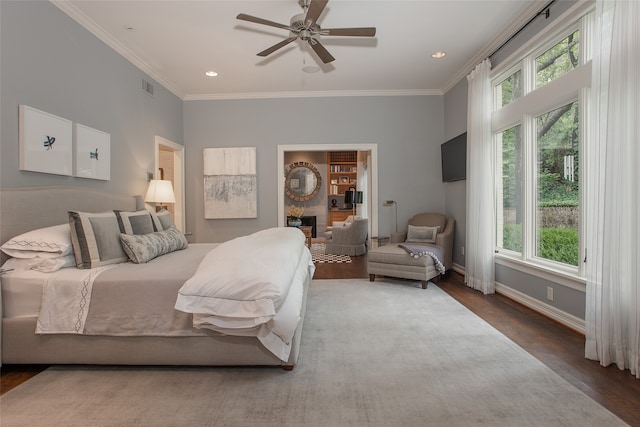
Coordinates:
[393,261]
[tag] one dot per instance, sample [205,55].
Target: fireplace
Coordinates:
[310,220]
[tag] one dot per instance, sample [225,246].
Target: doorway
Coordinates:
[169,165]
[371,152]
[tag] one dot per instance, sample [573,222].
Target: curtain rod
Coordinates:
[544,10]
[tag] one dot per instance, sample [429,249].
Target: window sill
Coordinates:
[560,277]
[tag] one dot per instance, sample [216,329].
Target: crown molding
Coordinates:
[495,43]
[82,19]
[310,94]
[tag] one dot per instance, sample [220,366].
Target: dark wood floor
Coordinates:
[558,347]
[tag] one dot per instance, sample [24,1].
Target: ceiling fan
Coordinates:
[303,26]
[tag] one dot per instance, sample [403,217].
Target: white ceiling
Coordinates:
[175,42]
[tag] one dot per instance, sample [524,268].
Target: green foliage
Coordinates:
[558,60]
[556,244]
[559,244]
[512,237]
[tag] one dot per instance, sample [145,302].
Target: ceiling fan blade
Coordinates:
[276,46]
[354,32]
[320,50]
[315,10]
[249,18]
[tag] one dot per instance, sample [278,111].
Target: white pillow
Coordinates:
[48,242]
[43,265]
[422,234]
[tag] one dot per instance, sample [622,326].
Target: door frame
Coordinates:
[178,177]
[372,178]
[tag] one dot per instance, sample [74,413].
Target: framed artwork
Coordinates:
[45,142]
[93,153]
[230,183]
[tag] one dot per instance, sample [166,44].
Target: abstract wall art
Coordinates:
[93,153]
[230,183]
[46,142]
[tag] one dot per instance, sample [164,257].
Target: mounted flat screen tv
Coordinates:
[454,159]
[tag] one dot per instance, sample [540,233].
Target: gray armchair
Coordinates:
[444,238]
[349,240]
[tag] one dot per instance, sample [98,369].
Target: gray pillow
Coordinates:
[96,239]
[165,219]
[143,248]
[422,234]
[138,222]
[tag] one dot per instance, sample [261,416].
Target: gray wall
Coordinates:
[455,105]
[51,63]
[455,123]
[407,129]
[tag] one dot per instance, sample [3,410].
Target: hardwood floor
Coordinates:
[558,347]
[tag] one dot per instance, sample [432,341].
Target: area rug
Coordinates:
[386,353]
[318,255]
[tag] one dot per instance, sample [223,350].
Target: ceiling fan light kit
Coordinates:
[304,26]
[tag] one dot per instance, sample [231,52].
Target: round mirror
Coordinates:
[302,181]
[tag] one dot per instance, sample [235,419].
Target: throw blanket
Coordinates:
[418,250]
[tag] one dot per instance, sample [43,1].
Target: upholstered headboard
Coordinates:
[28,208]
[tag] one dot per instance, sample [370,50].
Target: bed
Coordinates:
[157,312]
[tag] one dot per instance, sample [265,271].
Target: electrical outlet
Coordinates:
[462,250]
[549,293]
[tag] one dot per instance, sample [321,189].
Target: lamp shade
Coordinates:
[160,191]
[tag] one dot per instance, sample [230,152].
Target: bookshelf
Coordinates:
[342,171]
[341,176]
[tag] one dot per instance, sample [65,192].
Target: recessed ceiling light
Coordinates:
[310,69]
[210,74]
[439,54]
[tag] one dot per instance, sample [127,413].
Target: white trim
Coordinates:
[554,313]
[178,178]
[311,94]
[543,272]
[459,268]
[373,171]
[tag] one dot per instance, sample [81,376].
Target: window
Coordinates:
[557,61]
[510,194]
[538,147]
[509,89]
[557,203]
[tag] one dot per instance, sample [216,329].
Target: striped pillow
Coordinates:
[96,239]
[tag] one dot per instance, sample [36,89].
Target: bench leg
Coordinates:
[372,277]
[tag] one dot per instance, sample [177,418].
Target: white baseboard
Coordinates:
[554,313]
[562,317]
[458,268]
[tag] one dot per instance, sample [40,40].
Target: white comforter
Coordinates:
[242,287]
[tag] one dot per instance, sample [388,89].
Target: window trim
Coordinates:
[570,87]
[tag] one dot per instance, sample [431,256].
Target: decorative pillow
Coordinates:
[138,222]
[143,248]
[48,242]
[96,239]
[165,219]
[417,234]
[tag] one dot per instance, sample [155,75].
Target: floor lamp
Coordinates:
[392,203]
[354,197]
